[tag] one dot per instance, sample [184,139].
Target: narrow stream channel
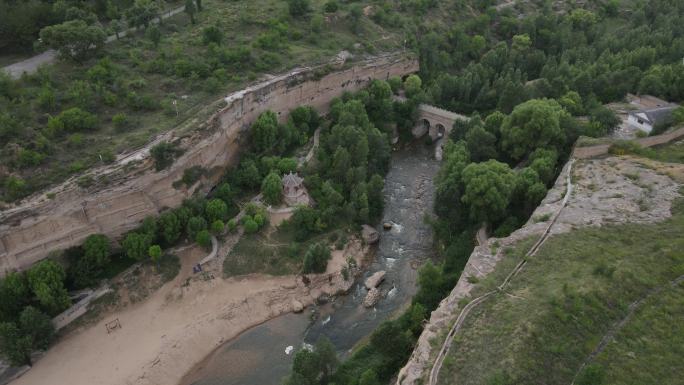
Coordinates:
[257,356]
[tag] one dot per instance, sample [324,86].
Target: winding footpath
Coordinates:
[444,351]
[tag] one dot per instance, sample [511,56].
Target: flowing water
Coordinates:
[260,356]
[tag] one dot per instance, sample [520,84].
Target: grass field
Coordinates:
[568,296]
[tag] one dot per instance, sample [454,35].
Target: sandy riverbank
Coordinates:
[165,336]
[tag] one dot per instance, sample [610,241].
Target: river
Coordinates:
[258,356]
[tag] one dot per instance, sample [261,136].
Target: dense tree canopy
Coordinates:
[533,124]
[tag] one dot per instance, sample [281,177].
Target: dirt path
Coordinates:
[444,351]
[32,64]
[617,326]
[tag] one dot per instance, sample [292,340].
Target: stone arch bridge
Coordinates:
[435,122]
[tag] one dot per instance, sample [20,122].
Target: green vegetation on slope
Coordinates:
[568,296]
[70,116]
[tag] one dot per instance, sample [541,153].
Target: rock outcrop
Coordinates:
[372,297]
[375,280]
[135,190]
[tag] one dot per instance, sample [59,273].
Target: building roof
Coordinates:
[655,115]
[292,180]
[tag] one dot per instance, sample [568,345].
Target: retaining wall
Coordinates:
[650,141]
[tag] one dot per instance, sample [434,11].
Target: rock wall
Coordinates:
[29,232]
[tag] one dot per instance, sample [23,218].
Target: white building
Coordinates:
[645,120]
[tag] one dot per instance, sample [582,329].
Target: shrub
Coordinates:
[29,158]
[203,238]
[73,119]
[120,120]
[15,187]
[164,153]
[217,227]
[331,6]
[232,225]
[212,34]
[316,258]
[298,8]
[250,226]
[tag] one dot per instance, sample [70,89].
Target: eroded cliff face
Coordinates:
[39,225]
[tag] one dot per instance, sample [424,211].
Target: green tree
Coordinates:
[678,115]
[155,253]
[191,10]
[163,154]
[376,200]
[14,295]
[137,245]
[72,119]
[533,124]
[412,85]
[305,221]
[299,8]
[250,225]
[74,39]
[154,33]
[170,227]
[265,131]
[272,188]
[369,377]
[481,144]
[224,193]
[488,189]
[217,227]
[316,258]
[142,13]
[34,330]
[355,15]
[212,34]
[96,256]
[46,280]
[195,225]
[216,209]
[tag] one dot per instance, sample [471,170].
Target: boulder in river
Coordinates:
[372,297]
[387,225]
[375,280]
[369,234]
[297,306]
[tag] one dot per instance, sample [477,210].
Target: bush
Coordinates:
[203,238]
[232,225]
[316,258]
[120,120]
[164,153]
[331,6]
[212,34]
[298,8]
[250,226]
[623,147]
[73,119]
[217,227]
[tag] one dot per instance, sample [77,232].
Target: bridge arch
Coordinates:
[435,122]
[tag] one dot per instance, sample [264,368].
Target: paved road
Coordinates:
[31,64]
